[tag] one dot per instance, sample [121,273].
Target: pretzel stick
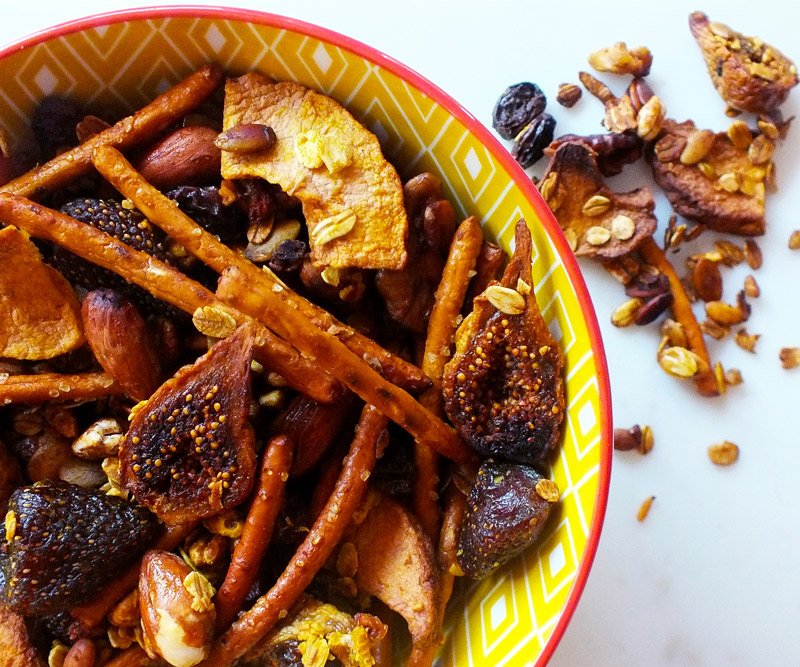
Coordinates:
[56,387]
[442,325]
[163,282]
[143,125]
[315,549]
[165,213]
[238,290]
[705,381]
[257,532]
[91,614]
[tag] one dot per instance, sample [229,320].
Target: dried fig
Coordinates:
[189,452]
[503,388]
[507,507]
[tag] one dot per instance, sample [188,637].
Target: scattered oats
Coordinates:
[719,376]
[707,169]
[739,134]
[625,315]
[745,340]
[622,228]
[56,656]
[596,205]
[728,182]
[730,253]
[697,146]
[679,362]
[752,254]
[10,525]
[723,454]
[505,299]
[650,118]
[568,95]
[674,333]
[751,288]
[733,377]
[201,591]
[790,357]
[548,489]
[548,186]
[214,321]
[331,276]
[714,329]
[597,235]
[761,150]
[644,509]
[794,240]
[523,287]
[572,239]
[273,399]
[332,228]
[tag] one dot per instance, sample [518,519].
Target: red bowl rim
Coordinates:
[500,153]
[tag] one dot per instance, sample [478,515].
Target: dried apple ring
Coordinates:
[503,389]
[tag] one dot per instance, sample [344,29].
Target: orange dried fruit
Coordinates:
[605,224]
[352,197]
[189,452]
[41,315]
[503,388]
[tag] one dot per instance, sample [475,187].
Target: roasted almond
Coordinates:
[176,628]
[122,342]
[187,156]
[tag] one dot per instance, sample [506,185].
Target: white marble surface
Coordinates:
[711,577]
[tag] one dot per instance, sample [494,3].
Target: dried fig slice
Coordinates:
[503,388]
[597,222]
[189,452]
[749,74]
[710,179]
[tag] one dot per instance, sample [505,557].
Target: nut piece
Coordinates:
[752,254]
[723,454]
[725,314]
[650,118]
[173,628]
[618,59]
[188,156]
[739,134]
[568,95]
[790,357]
[246,138]
[698,144]
[794,240]
[751,287]
[637,437]
[101,440]
[122,342]
[82,654]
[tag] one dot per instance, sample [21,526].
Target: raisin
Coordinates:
[517,107]
[204,206]
[505,514]
[530,143]
[288,256]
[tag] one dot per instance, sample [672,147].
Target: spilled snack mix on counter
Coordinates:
[714,180]
[236,425]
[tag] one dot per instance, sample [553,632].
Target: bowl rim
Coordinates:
[498,151]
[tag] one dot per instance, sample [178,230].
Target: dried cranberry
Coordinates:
[517,107]
[529,145]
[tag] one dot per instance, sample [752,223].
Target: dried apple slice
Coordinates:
[41,315]
[714,179]
[352,197]
[503,388]
[596,221]
[189,452]
[396,564]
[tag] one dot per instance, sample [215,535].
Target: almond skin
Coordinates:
[707,280]
[187,156]
[173,630]
[121,342]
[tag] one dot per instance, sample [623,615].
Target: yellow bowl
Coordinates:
[119,61]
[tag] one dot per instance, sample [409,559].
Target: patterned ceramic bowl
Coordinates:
[118,62]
